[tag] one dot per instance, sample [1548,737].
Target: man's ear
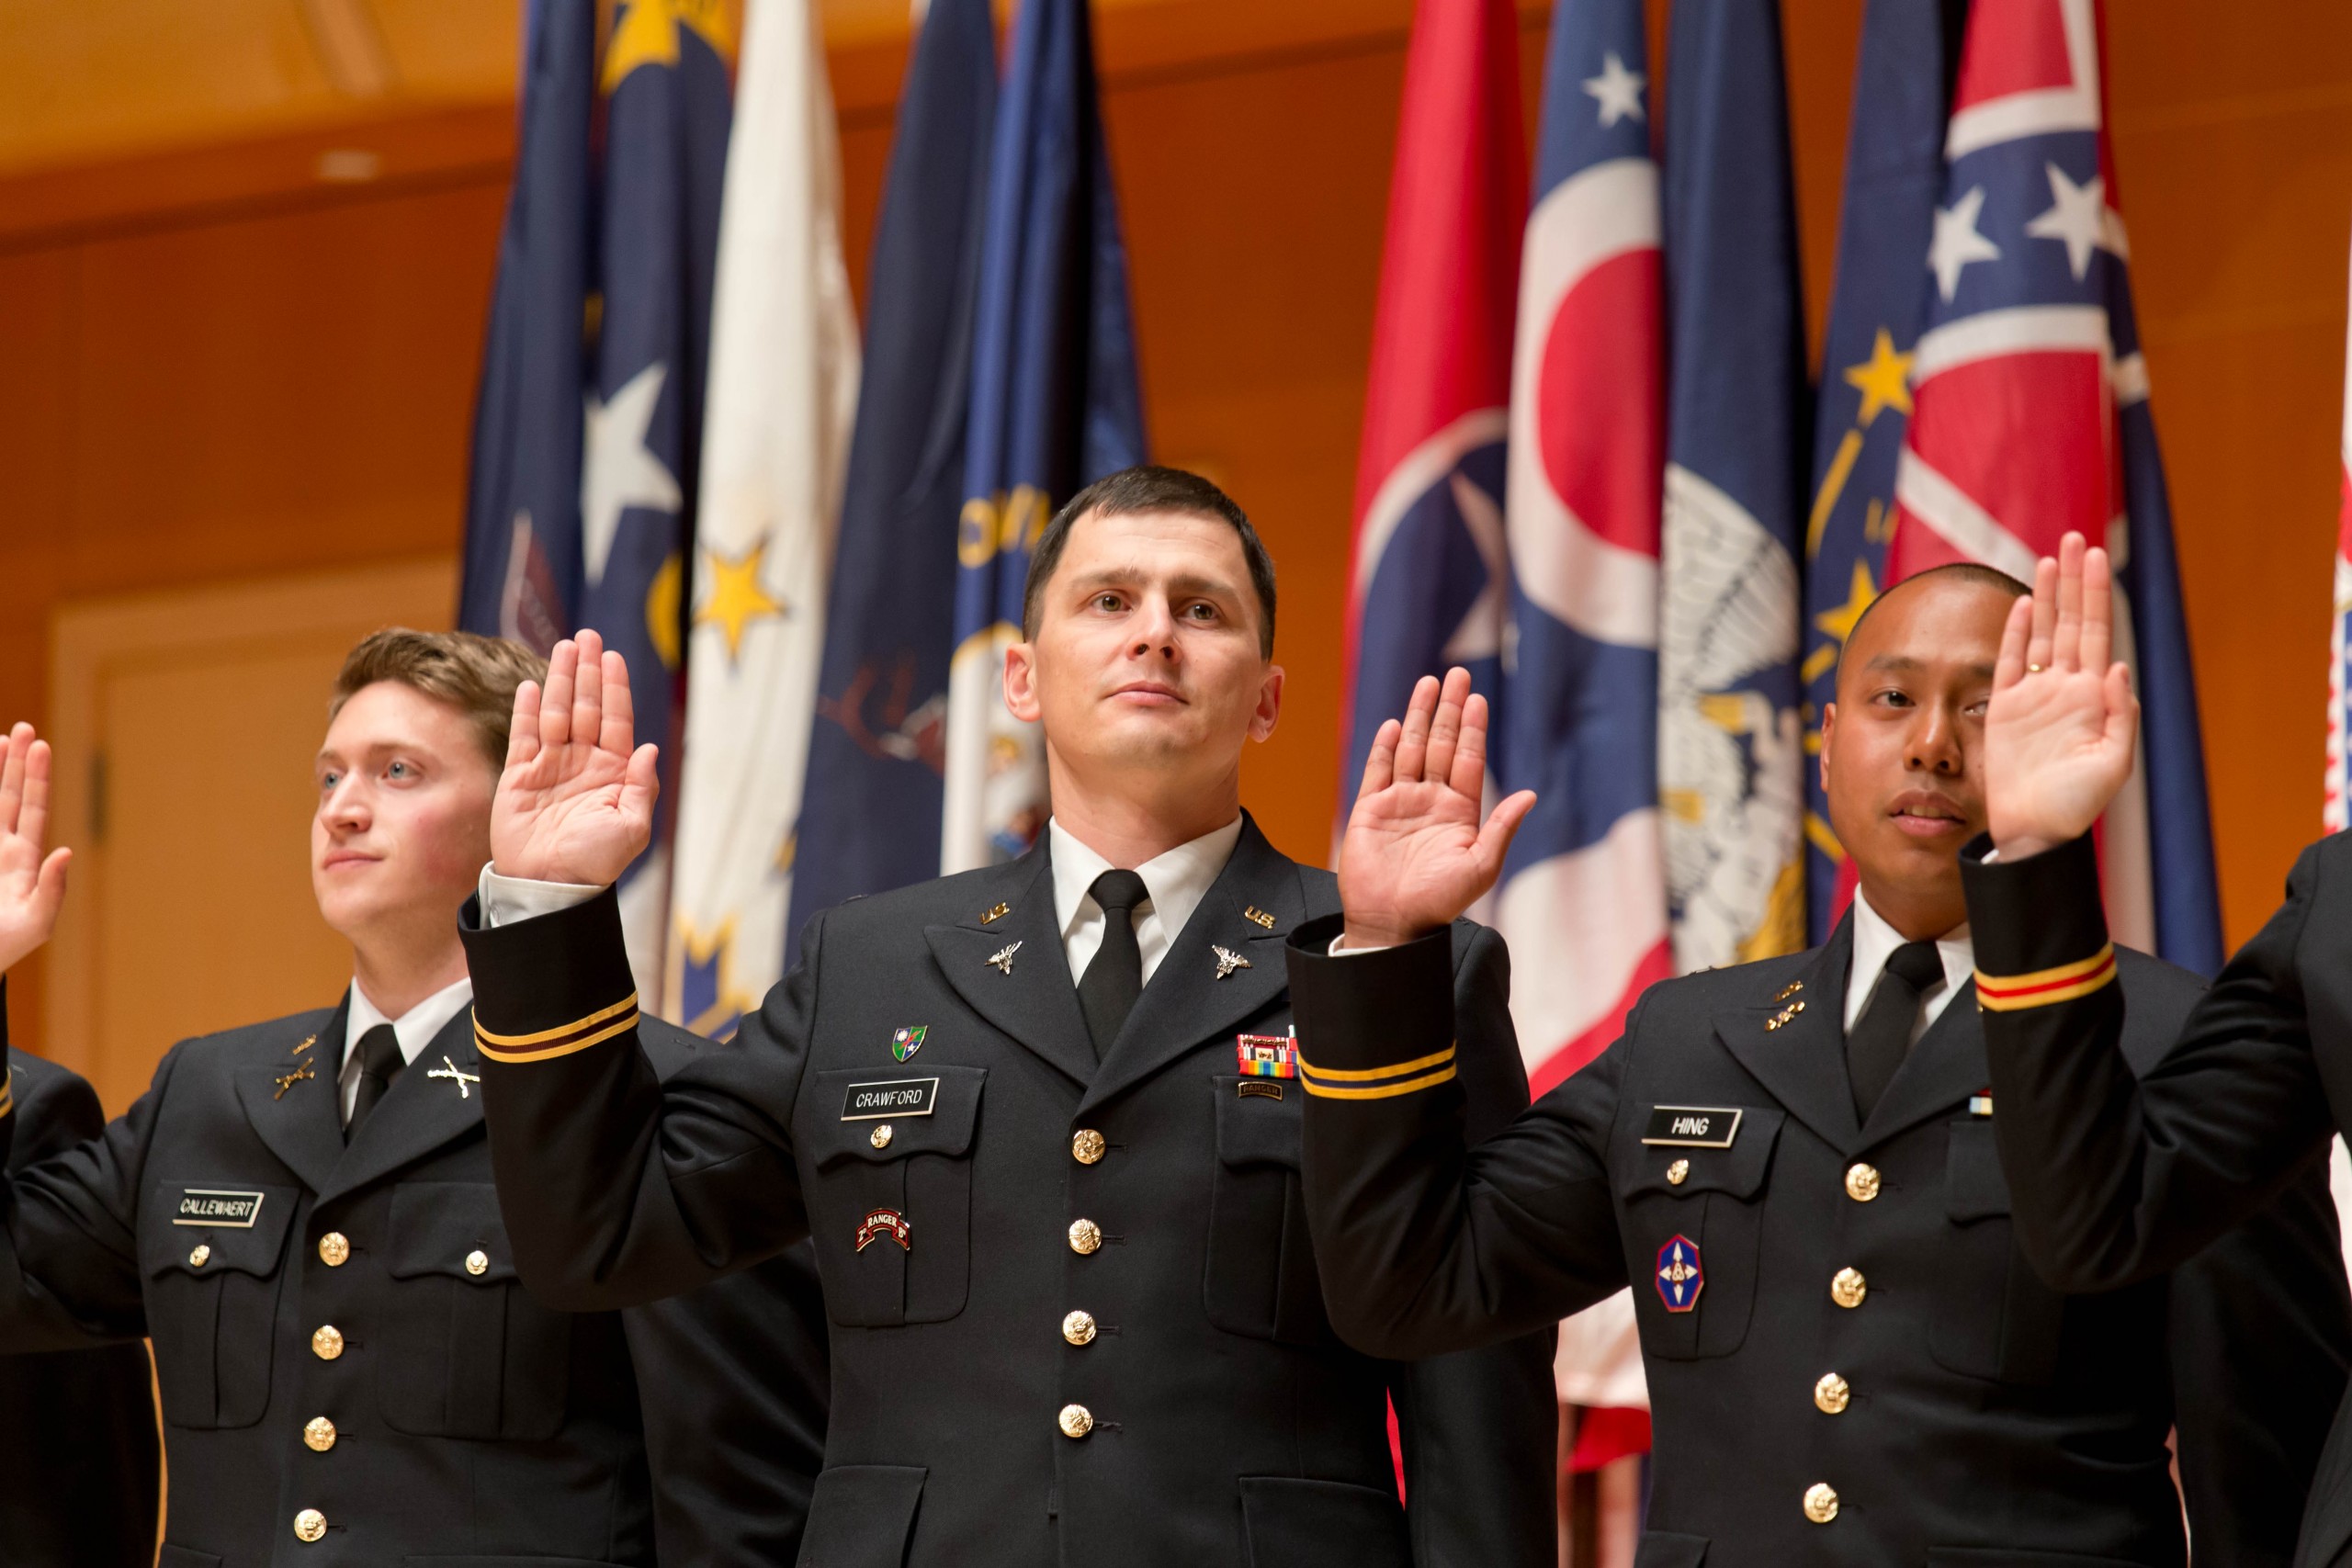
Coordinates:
[1829,723]
[1021,697]
[1269,703]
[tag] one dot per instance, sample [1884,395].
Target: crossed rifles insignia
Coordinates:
[450,1070]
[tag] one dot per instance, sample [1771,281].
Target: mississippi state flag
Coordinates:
[2030,417]
[1426,571]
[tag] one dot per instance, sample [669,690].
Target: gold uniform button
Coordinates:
[1821,1502]
[1832,1394]
[1079,1327]
[1848,1288]
[1861,1182]
[880,1136]
[477,1262]
[1678,1173]
[327,1343]
[1076,1420]
[334,1249]
[1086,1146]
[318,1434]
[201,1257]
[1085,1236]
[310,1525]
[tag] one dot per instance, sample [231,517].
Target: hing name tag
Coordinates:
[1693,1126]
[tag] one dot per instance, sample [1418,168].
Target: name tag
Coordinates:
[1693,1126]
[892,1096]
[218,1207]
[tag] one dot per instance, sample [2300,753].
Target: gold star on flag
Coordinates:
[647,34]
[1840,623]
[1884,379]
[736,598]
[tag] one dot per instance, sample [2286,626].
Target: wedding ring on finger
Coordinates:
[2035,668]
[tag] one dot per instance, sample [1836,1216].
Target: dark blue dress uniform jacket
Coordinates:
[79,1463]
[1076,1316]
[289,1281]
[2122,1168]
[1849,1360]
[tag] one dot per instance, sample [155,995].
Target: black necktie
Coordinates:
[380,1062]
[1881,1038]
[1115,979]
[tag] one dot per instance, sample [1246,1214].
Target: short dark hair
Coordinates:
[477,675]
[1150,488]
[1984,576]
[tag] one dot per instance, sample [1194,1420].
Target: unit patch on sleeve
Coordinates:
[217,1208]
[891,1097]
[1265,1057]
[1693,1126]
[1681,1275]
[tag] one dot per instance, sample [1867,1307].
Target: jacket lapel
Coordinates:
[1195,993]
[1029,997]
[1800,1058]
[299,1119]
[418,1113]
[1943,1069]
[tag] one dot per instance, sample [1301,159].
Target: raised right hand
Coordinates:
[2062,725]
[32,884]
[575,803]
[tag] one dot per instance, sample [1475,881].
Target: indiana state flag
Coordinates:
[1055,406]
[667,113]
[870,810]
[1878,306]
[521,576]
[782,388]
[1731,763]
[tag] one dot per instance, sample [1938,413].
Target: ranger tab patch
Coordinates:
[906,1042]
[882,1223]
[891,1097]
[1693,1126]
[1266,1057]
[217,1208]
[1680,1275]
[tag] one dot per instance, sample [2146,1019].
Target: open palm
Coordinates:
[1415,854]
[32,883]
[575,802]
[2062,725]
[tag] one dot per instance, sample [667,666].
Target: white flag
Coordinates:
[784,367]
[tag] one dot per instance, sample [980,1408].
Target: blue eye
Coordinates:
[328,781]
[400,770]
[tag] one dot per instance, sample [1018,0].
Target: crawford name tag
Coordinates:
[892,1096]
[1693,1126]
[217,1207]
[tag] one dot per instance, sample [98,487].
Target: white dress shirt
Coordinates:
[1176,881]
[414,1028]
[1874,943]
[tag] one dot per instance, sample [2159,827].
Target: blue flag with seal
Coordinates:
[870,810]
[1055,406]
[522,569]
[1731,760]
[1877,309]
[667,116]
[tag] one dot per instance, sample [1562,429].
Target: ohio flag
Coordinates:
[2031,418]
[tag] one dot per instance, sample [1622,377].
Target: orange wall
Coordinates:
[263,376]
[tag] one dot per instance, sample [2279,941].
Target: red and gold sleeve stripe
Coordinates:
[1378,1083]
[2008,993]
[563,1041]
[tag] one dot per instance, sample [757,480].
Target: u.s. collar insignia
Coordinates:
[450,1070]
[1783,1016]
[1680,1275]
[308,1041]
[882,1223]
[1257,918]
[1791,989]
[991,917]
[288,1080]
[1002,956]
[905,1043]
[1227,960]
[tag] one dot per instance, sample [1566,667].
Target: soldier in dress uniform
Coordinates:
[80,1466]
[1041,1120]
[1793,1162]
[300,1213]
[2120,1169]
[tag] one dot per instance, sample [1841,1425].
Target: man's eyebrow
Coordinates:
[1179,584]
[1904,664]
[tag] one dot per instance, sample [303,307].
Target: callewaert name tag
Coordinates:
[1693,1126]
[224,1208]
[891,1097]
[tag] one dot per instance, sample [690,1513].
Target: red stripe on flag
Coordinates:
[1606,1434]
